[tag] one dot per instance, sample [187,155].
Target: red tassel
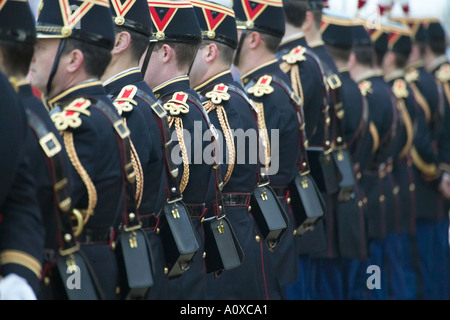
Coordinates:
[361,3]
[406,9]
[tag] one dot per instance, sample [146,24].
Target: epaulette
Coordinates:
[400,89]
[262,87]
[365,87]
[70,114]
[412,75]
[443,74]
[125,102]
[218,94]
[178,104]
[297,54]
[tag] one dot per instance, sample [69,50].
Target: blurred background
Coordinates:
[415,8]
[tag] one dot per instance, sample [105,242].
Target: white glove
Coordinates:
[13,287]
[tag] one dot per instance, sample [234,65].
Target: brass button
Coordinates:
[204,255]
[166,270]
[412,187]
[46,281]
[119,21]
[249,208]
[382,198]
[117,290]
[258,239]
[396,190]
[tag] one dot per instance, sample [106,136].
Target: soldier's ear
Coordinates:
[309,21]
[352,60]
[167,53]
[211,52]
[254,39]
[122,42]
[74,60]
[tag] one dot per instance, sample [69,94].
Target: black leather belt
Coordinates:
[236,199]
[281,192]
[149,221]
[196,210]
[96,236]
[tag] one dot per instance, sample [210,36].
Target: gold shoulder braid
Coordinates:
[297,54]
[69,117]
[422,102]
[217,95]
[412,75]
[443,76]
[125,102]
[137,166]
[429,170]
[365,87]
[290,65]
[90,187]
[176,106]
[401,92]
[262,87]
[375,137]
[263,134]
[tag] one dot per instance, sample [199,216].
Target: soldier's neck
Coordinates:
[258,58]
[360,72]
[292,33]
[117,65]
[313,36]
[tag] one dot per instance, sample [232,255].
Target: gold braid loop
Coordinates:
[409,128]
[90,187]
[446,87]
[263,134]
[179,129]
[421,101]
[225,125]
[139,172]
[285,67]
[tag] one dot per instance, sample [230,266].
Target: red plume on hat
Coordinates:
[405,6]
[385,6]
[326,3]
[361,3]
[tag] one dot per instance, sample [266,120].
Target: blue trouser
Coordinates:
[433,247]
[399,264]
[327,279]
[377,260]
[298,290]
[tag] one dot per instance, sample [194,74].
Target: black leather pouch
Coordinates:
[133,251]
[223,250]
[324,169]
[180,244]
[344,162]
[85,286]
[352,229]
[307,203]
[269,215]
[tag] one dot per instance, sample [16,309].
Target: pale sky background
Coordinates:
[418,8]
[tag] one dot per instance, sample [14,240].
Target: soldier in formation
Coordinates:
[168,152]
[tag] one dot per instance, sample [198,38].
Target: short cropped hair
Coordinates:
[96,59]
[17,57]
